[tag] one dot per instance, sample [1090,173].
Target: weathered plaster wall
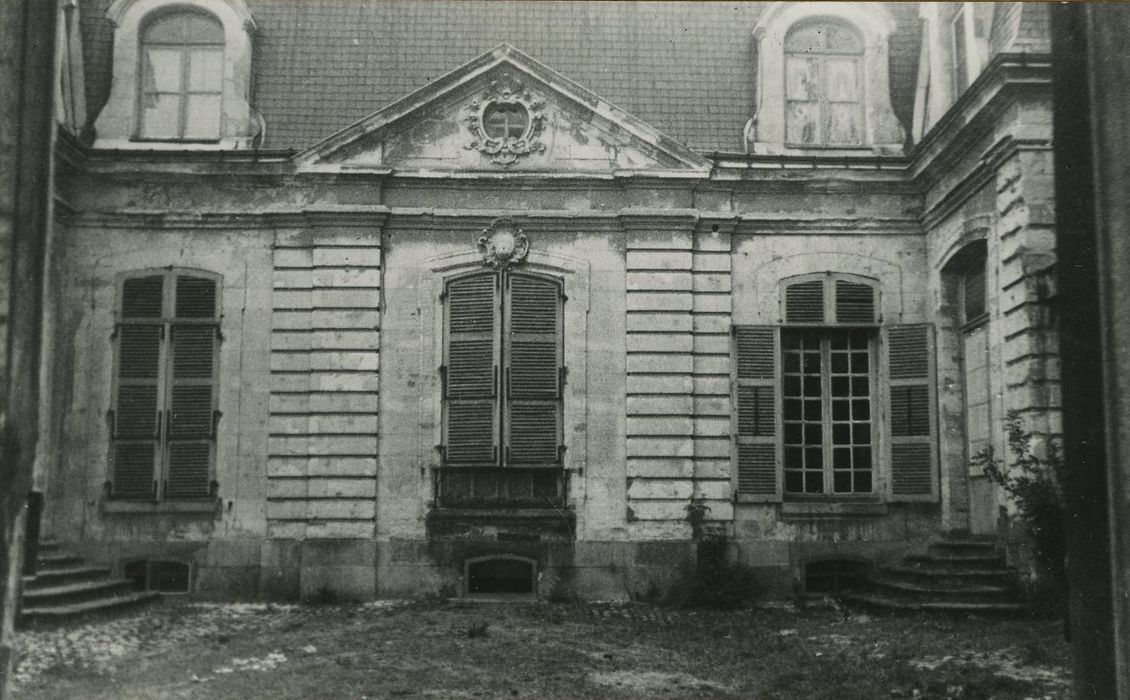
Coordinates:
[89,258]
[419,251]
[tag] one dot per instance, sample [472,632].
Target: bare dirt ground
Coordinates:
[441,649]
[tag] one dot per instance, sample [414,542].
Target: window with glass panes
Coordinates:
[823,84]
[164,418]
[182,73]
[827,366]
[826,399]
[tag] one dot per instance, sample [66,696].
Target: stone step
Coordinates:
[70,593]
[63,575]
[963,547]
[956,561]
[878,600]
[900,589]
[55,560]
[950,577]
[36,616]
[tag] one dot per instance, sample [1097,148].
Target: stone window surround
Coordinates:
[575,276]
[117,124]
[882,132]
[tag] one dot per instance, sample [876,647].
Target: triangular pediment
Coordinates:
[503,112]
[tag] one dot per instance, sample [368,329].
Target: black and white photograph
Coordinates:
[564,349]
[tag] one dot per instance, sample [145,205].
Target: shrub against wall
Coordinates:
[713,581]
[1033,480]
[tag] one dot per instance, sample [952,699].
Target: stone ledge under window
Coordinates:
[501,524]
[832,509]
[201,507]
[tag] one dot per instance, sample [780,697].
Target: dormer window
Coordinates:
[181,76]
[970,33]
[182,70]
[823,94]
[822,79]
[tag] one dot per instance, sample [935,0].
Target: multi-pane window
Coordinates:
[164,416]
[182,74]
[826,397]
[823,84]
[503,377]
[806,394]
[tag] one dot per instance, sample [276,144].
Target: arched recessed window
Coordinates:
[823,84]
[181,77]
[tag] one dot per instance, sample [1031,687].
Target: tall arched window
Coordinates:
[823,84]
[181,77]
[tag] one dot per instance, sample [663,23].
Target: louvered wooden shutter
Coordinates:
[855,303]
[914,471]
[758,466]
[137,421]
[804,302]
[470,371]
[191,425]
[533,371]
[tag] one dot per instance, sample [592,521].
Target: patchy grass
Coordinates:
[434,649]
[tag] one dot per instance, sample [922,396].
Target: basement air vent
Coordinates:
[500,576]
[159,575]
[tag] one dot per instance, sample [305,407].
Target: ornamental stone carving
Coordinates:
[506,121]
[503,244]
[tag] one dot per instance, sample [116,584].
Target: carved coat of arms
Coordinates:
[506,121]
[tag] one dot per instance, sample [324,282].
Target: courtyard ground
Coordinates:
[438,649]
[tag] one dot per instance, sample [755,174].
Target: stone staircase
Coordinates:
[954,575]
[65,588]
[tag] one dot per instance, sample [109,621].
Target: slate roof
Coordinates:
[687,68]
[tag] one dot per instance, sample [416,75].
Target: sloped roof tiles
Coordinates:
[687,68]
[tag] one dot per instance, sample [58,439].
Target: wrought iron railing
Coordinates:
[500,487]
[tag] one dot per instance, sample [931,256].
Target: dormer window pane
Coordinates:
[159,114]
[182,77]
[206,70]
[823,101]
[202,117]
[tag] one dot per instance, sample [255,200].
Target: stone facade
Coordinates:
[331,379]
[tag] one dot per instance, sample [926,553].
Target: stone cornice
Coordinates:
[824,226]
[336,217]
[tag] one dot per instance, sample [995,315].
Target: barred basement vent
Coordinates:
[502,575]
[161,575]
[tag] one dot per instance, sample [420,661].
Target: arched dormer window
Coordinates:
[823,89]
[181,76]
[823,79]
